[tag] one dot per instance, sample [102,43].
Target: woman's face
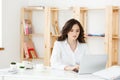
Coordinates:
[74,32]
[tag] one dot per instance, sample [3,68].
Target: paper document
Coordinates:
[111,73]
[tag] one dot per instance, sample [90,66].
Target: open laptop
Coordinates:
[92,63]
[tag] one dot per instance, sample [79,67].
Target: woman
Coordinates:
[69,48]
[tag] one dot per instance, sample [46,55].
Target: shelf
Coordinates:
[55,35]
[92,9]
[115,37]
[86,36]
[111,35]
[1,49]
[35,34]
[116,7]
[94,37]
[34,8]
[34,59]
[28,51]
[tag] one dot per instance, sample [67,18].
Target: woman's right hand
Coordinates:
[72,68]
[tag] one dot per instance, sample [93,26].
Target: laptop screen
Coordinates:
[93,63]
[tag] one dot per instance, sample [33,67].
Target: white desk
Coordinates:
[47,74]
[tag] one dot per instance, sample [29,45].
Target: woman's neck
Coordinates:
[71,42]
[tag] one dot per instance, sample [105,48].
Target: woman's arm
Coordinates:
[56,61]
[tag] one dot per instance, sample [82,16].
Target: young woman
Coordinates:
[70,47]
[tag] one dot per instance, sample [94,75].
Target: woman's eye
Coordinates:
[74,30]
[77,31]
[71,30]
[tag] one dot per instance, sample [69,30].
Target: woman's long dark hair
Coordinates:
[67,27]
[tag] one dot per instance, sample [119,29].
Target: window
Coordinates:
[0,24]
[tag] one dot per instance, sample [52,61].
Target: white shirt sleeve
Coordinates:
[55,60]
[87,51]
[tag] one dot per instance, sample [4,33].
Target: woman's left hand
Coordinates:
[76,68]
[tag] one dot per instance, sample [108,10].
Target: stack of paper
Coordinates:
[111,73]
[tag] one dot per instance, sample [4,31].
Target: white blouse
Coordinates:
[62,54]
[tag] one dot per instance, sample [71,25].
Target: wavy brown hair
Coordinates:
[68,26]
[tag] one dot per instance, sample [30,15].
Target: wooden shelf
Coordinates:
[115,37]
[1,49]
[35,34]
[60,9]
[28,51]
[34,8]
[30,59]
[111,32]
[92,9]
[51,17]
[94,37]
[55,35]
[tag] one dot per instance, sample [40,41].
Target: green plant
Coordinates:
[13,63]
[22,67]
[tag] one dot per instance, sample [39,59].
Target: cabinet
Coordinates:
[28,48]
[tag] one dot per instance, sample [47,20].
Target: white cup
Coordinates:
[13,66]
[39,67]
[20,67]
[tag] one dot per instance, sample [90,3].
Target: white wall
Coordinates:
[69,3]
[11,22]
[11,31]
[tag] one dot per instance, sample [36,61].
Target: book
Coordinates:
[100,35]
[27,27]
[29,50]
[25,51]
[32,53]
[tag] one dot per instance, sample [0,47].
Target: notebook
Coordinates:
[92,63]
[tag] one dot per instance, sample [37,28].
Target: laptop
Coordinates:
[92,63]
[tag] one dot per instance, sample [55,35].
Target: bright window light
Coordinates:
[0,23]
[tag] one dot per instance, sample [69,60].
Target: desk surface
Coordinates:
[48,74]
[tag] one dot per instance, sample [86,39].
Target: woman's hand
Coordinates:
[72,68]
[77,67]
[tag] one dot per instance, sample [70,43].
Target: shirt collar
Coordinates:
[67,42]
